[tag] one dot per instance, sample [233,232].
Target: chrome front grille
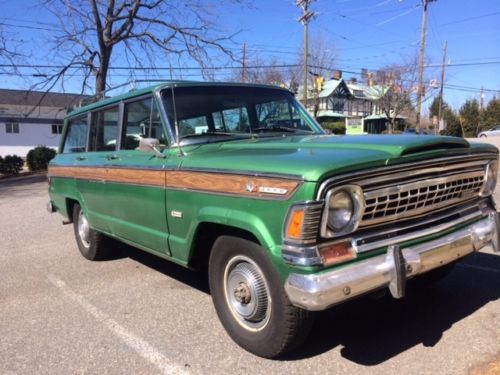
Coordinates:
[415,198]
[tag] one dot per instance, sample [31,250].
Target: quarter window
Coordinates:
[104,130]
[76,135]
[12,127]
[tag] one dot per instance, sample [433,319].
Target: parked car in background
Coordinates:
[241,181]
[493,132]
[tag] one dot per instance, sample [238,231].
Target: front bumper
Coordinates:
[320,291]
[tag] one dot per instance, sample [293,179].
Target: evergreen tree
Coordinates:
[491,115]
[469,115]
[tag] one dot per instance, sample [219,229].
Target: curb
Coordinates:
[35,177]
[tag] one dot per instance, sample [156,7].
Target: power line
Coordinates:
[470,18]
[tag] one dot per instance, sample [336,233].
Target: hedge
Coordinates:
[11,165]
[39,157]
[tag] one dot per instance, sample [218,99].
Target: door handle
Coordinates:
[80,158]
[112,157]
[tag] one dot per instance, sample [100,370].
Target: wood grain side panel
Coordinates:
[120,175]
[229,184]
[219,183]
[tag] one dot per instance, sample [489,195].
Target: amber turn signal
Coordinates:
[295,224]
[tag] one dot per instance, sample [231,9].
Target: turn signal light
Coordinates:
[337,253]
[295,224]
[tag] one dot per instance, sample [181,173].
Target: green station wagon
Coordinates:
[241,181]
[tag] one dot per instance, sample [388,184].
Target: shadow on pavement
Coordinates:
[194,279]
[372,331]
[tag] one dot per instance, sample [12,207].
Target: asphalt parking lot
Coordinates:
[140,314]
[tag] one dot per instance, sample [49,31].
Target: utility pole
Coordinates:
[244,62]
[304,19]
[443,67]
[421,62]
[481,99]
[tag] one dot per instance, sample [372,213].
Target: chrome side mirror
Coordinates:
[151,145]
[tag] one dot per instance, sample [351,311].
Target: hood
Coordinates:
[319,156]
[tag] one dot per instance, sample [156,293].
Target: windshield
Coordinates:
[205,113]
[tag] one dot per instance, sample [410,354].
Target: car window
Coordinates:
[104,130]
[232,111]
[76,135]
[141,120]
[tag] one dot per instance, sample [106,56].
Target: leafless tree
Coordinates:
[396,86]
[146,33]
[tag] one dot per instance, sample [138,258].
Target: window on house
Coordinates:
[12,127]
[57,129]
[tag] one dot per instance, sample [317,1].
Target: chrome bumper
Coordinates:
[320,291]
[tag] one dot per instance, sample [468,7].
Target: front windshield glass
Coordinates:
[227,112]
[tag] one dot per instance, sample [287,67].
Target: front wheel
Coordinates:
[250,299]
[92,245]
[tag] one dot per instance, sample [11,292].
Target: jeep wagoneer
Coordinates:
[288,219]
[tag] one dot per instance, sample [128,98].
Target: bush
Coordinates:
[11,165]
[335,127]
[39,157]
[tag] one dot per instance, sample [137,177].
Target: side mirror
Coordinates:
[151,145]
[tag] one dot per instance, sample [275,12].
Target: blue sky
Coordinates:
[363,33]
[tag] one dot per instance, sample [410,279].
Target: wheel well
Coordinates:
[205,237]
[70,204]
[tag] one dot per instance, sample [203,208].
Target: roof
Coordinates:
[40,98]
[382,117]
[330,113]
[147,90]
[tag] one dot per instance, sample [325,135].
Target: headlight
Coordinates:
[340,210]
[490,178]
[345,206]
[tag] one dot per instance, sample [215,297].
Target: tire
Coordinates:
[432,277]
[482,136]
[92,245]
[250,299]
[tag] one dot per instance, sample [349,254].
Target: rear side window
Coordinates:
[141,120]
[76,135]
[104,130]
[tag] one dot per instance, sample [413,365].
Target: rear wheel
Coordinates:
[92,245]
[250,299]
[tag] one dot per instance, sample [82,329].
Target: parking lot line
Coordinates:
[136,343]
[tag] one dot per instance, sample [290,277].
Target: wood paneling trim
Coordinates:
[218,183]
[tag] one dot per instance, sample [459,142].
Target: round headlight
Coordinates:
[490,181]
[341,210]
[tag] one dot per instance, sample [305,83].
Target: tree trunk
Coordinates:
[102,74]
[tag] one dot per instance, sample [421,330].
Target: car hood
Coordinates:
[315,157]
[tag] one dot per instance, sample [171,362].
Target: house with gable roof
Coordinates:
[32,118]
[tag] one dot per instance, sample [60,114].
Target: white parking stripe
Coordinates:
[138,344]
[486,269]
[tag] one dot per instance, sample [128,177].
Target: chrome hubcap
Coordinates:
[83,229]
[247,293]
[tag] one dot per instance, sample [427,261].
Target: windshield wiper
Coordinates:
[278,129]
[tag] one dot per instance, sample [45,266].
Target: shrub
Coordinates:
[39,157]
[335,127]
[11,165]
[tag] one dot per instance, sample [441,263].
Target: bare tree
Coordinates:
[146,33]
[395,86]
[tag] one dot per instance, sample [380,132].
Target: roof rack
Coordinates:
[134,81]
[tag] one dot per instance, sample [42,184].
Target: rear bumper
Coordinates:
[320,291]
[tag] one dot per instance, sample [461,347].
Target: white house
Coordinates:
[32,118]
